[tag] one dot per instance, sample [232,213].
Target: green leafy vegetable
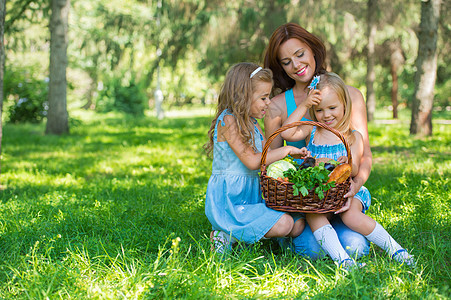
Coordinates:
[291,160]
[308,179]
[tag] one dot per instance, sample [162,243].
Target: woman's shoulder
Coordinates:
[358,102]
[358,138]
[279,99]
[278,104]
[354,93]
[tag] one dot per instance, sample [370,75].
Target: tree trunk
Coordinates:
[57,117]
[394,90]
[2,67]
[426,63]
[396,61]
[90,92]
[370,73]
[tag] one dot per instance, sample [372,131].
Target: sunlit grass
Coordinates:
[115,210]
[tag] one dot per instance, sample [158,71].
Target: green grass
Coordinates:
[115,210]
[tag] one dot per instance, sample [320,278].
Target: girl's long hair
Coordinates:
[283,33]
[236,96]
[336,84]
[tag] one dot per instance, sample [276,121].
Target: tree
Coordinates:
[2,64]
[426,63]
[371,74]
[396,61]
[57,117]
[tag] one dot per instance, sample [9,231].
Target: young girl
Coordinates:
[329,104]
[234,205]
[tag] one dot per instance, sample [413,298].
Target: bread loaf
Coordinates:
[340,173]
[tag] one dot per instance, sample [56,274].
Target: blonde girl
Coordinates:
[234,205]
[329,103]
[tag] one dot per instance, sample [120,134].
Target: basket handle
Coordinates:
[298,123]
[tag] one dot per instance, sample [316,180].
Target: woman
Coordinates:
[295,56]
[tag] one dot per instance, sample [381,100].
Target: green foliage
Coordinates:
[26,94]
[116,97]
[308,179]
[199,40]
[116,211]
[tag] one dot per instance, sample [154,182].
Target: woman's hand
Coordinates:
[353,188]
[345,207]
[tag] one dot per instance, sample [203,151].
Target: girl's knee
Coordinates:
[282,227]
[285,225]
[298,228]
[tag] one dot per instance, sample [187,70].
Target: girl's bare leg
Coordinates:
[298,227]
[282,228]
[356,220]
[374,232]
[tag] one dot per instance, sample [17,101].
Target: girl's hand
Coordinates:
[313,98]
[345,207]
[298,153]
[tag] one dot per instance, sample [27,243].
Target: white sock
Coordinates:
[383,239]
[328,240]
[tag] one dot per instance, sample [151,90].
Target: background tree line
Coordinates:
[115,49]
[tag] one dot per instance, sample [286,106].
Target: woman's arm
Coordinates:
[357,153]
[359,122]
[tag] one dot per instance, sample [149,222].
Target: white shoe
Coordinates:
[403,257]
[349,264]
[221,241]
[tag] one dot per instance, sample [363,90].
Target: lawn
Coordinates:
[115,210]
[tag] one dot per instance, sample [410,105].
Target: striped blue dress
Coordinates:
[334,152]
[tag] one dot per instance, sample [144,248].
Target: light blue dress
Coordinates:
[234,201]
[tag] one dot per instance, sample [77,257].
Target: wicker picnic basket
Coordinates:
[278,195]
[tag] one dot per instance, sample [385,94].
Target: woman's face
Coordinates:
[298,60]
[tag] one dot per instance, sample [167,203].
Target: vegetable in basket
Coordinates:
[277,168]
[310,178]
[309,162]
